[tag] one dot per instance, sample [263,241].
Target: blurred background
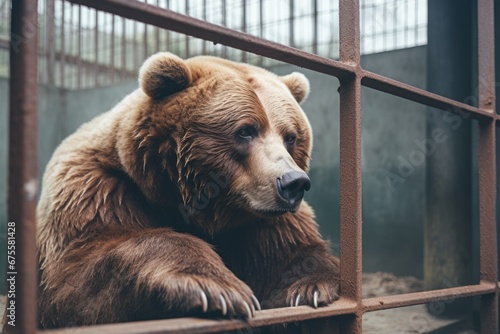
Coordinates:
[420,202]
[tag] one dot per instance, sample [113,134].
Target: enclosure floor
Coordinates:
[414,319]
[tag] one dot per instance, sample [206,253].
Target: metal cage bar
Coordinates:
[487,164]
[351,306]
[23,160]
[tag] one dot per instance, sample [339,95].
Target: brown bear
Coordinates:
[184,200]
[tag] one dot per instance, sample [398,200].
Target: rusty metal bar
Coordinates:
[350,165]
[276,316]
[23,160]
[409,299]
[200,29]
[198,325]
[405,91]
[487,164]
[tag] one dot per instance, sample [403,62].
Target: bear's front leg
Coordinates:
[310,278]
[140,275]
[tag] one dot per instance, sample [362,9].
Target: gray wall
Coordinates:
[392,216]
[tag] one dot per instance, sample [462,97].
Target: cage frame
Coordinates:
[345,315]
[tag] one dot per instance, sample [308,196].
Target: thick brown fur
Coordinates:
[160,200]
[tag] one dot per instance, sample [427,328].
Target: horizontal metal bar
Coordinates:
[408,299]
[408,92]
[197,325]
[283,315]
[180,23]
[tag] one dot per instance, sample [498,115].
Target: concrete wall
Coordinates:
[392,216]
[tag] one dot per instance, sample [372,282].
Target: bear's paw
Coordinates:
[313,292]
[214,297]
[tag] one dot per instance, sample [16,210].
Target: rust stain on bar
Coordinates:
[23,158]
[350,165]
[409,299]
[487,165]
[197,325]
[405,91]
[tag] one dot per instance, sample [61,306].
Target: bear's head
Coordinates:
[220,140]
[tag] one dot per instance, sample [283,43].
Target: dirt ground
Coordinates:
[412,320]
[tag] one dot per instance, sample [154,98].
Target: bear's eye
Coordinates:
[247,132]
[290,139]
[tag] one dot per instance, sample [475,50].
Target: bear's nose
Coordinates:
[291,186]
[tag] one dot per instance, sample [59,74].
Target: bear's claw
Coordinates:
[224,305]
[297,300]
[249,311]
[204,302]
[256,302]
[229,303]
[312,294]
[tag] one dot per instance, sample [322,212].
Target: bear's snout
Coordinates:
[292,185]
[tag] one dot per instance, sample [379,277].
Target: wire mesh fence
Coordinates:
[80,47]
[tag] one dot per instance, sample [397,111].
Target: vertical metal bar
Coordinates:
[23,160]
[157,31]
[62,62]
[407,15]
[186,38]
[416,22]
[349,31]
[112,54]
[350,164]
[487,164]
[395,24]
[124,47]
[167,36]
[50,40]
[261,26]
[43,46]
[224,23]
[384,32]
[96,49]
[244,27]
[315,27]
[88,72]
[204,47]
[291,23]
[134,46]
[145,41]
[79,47]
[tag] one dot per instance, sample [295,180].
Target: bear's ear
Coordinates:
[163,74]
[298,85]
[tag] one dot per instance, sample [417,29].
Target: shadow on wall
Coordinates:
[61,112]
